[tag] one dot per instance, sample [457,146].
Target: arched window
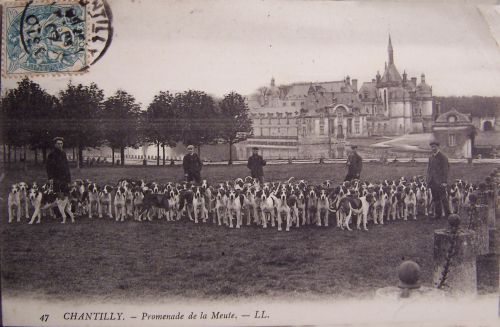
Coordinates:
[487,126]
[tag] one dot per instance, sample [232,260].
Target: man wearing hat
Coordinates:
[192,166]
[354,164]
[256,164]
[58,168]
[437,177]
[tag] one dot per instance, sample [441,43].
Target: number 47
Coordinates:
[44,318]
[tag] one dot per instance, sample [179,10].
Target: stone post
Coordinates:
[476,220]
[488,264]
[489,195]
[455,258]
[487,273]
[496,180]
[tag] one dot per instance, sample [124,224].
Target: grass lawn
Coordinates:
[101,259]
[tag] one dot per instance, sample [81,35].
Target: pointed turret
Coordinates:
[391,75]
[391,51]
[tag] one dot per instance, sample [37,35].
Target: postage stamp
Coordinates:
[57,37]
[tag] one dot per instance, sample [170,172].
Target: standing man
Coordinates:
[192,166]
[354,164]
[58,168]
[256,164]
[437,177]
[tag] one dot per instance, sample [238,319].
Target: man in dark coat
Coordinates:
[256,164]
[354,164]
[192,166]
[58,168]
[437,177]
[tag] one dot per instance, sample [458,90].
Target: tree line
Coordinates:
[81,114]
[477,106]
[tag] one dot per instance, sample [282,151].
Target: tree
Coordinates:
[237,125]
[161,123]
[120,122]
[477,106]
[79,110]
[27,113]
[197,117]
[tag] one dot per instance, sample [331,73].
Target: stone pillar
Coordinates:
[455,258]
[487,273]
[496,180]
[489,195]
[475,219]
[488,263]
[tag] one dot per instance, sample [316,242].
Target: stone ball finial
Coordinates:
[409,275]
[454,221]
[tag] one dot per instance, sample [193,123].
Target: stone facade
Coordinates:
[453,131]
[314,120]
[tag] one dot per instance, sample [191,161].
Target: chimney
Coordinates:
[414,81]
[347,80]
[423,78]
[404,77]
[355,85]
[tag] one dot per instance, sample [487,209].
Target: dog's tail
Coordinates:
[332,208]
[290,180]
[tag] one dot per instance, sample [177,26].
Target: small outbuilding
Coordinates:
[455,132]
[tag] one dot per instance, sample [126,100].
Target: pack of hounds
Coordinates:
[278,204]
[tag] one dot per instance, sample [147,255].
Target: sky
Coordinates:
[224,46]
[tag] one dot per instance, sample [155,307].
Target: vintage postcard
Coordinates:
[250,163]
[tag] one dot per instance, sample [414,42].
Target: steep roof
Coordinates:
[335,86]
[297,90]
[370,89]
[391,75]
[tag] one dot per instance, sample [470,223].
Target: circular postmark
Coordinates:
[56,37]
[100,33]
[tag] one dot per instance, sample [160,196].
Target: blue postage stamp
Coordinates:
[41,38]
